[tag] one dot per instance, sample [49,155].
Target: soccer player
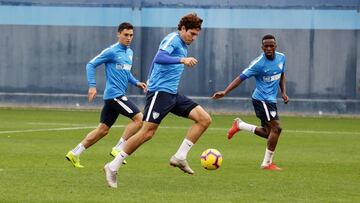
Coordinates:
[163,97]
[268,70]
[118,63]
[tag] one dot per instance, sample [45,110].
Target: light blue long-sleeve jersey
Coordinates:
[166,77]
[118,62]
[267,74]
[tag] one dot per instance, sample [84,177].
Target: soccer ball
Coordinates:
[211,159]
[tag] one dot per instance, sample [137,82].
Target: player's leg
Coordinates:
[262,131]
[130,110]
[185,107]
[271,145]
[107,119]
[95,135]
[91,138]
[275,130]
[130,130]
[158,105]
[202,122]
[274,134]
[145,133]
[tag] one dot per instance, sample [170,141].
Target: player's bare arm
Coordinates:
[283,88]
[91,94]
[236,82]
[189,61]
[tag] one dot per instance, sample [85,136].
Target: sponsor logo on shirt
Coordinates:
[125,67]
[272,77]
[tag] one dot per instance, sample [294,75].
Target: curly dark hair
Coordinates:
[190,21]
[124,26]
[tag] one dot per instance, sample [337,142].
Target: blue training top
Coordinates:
[118,62]
[165,75]
[267,74]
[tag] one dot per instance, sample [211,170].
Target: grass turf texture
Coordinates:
[320,158]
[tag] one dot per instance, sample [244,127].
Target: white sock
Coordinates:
[120,145]
[116,163]
[267,158]
[78,149]
[184,149]
[245,126]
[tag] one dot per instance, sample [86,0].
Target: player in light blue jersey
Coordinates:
[162,98]
[269,72]
[118,63]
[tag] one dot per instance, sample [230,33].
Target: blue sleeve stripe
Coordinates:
[243,77]
[163,57]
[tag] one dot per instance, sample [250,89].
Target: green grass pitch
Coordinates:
[320,157]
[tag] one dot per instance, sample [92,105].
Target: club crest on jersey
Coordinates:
[155,115]
[273,113]
[281,65]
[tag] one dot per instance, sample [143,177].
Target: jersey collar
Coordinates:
[122,46]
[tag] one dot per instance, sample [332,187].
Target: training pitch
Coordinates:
[319,155]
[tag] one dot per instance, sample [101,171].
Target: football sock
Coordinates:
[245,126]
[120,145]
[267,158]
[78,149]
[184,149]
[116,163]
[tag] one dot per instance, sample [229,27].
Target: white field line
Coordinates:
[64,124]
[172,127]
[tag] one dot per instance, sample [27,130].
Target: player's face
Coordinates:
[125,36]
[189,35]
[269,47]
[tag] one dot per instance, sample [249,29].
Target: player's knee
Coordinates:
[103,130]
[138,123]
[205,120]
[148,135]
[277,129]
[138,117]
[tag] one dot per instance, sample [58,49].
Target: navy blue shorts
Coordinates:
[159,104]
[113,107]
[265,111]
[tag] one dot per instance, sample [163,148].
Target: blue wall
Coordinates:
[47,45]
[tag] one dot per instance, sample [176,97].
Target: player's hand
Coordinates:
[285,98]
[218,95]
[142,86]
[189,61]
[91,94]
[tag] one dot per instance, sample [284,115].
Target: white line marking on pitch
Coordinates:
[171,127]
[64,124]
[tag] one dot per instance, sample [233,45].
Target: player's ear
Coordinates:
[183,28]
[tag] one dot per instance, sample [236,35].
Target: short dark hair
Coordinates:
[124,26]
[268,37]
[190,21]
